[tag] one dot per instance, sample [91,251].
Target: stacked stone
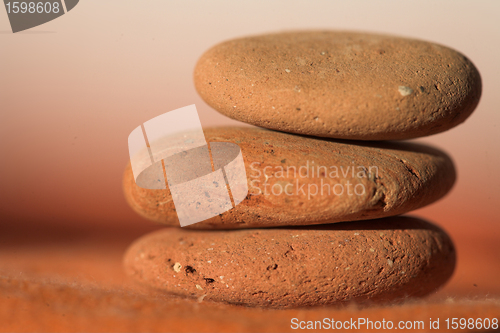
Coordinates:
[331,101]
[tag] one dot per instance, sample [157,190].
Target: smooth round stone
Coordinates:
[378,261]
[297,180]
[340,84]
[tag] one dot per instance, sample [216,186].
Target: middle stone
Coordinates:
[297,180]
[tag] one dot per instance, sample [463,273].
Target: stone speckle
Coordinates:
[405,91]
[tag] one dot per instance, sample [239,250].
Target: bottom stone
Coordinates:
[376,260]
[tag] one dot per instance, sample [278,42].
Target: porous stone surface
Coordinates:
[340,84]
[298,180]
[377,261]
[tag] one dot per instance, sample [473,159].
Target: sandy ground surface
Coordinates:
[55,278]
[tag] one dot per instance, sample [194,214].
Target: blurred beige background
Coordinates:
[72,90]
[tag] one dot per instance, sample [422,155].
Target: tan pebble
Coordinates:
[391,178]
[340,84]
[290,278]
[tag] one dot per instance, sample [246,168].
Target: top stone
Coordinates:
[340,84]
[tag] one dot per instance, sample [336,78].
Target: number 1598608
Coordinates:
[32,7]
